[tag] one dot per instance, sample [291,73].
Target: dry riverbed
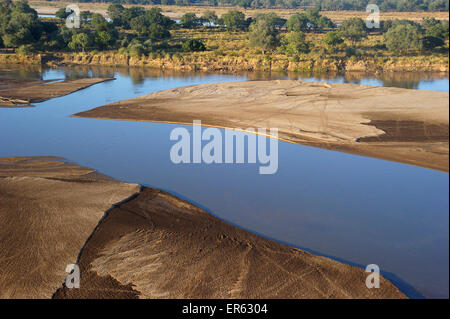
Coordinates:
[148,244]
[407,126]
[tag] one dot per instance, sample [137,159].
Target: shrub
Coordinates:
[263,35]
[403,38]
[193,45]
[25,49]
[353,29]
[136,49]
[295,43]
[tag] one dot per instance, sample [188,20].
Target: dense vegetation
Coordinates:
[385,5]
[134,31]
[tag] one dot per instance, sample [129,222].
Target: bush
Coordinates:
[190,20]
[353,29]
[234,20]
[263,35]
[403,38]
[333,38]
[193,45]
[295,43]
[123,51]
[25,49]
[136,49]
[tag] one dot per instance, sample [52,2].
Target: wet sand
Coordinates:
[407,126]
[15,92]
[149,244]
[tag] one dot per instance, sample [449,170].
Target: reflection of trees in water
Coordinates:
[138,75]
[83,71]
[31,72]
[409,80]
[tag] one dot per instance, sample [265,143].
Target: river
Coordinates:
[352,208]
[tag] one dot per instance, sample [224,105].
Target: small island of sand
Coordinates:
[407,126]
[20,92]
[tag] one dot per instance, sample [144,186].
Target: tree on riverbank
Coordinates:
[403,38]
[19,24]
[234,20]
[79,41]
[295,43]
[263,35]
[353,29]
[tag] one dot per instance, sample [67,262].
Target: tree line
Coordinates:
[136,31]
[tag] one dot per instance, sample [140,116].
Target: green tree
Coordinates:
[115,12]
[103,39]
[430,42]
[85,16]
[263,35]
[438,31]
[62,14]
[234,19]
[97,20]
[403,38]
[210,17]
[129,14]
[152,24]
[297,22]
[79,41]
[136,49]
[332,39]
[19,24]
[190,20]
[317,20]
[353,29]
[272,18]
[295,43]
[193,45]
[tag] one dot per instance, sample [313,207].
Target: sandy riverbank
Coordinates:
[407,126]
[49,208]
[14,92]
[152,245]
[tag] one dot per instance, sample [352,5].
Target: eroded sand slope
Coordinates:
[408,126]
[48,210]
[159,246]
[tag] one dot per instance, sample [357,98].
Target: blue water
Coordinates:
[356,209]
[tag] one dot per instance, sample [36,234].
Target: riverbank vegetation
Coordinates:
[231,41]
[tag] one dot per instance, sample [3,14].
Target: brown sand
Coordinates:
[408,126]
[158,246]
[18,92]
[151,245]
[48,209]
